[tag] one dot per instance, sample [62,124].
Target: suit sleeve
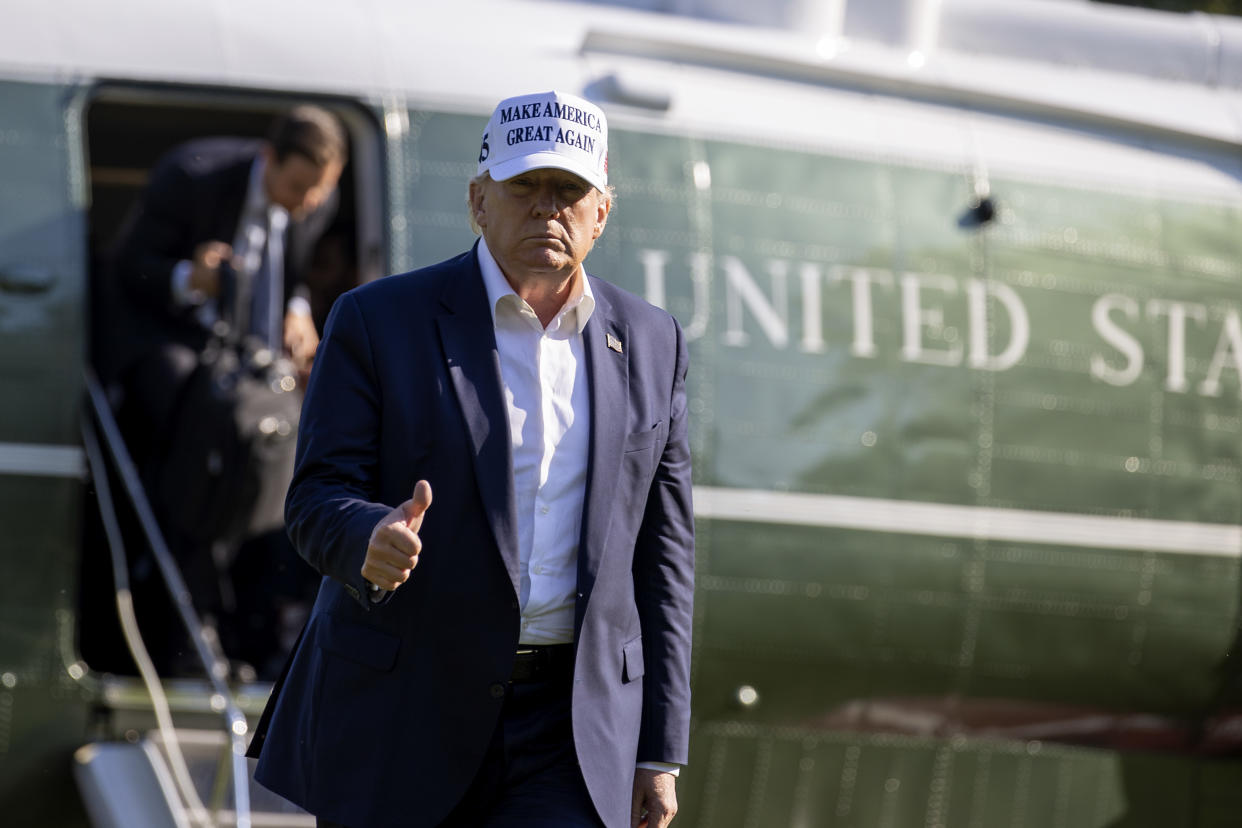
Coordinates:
[330,510]
[664,586]
[158,237]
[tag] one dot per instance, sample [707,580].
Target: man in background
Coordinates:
[223,233]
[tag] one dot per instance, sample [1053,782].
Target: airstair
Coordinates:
[132,785]
[180,760]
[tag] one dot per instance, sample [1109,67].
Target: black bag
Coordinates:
[231,452]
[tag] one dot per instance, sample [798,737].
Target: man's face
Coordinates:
[298,184]
[539,222]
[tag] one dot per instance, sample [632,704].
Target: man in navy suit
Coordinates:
[516,653]
[259,207]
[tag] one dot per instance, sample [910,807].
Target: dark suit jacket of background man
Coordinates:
[195,194]
[385,711]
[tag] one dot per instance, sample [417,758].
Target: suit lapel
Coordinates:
[468,337]
[605,341]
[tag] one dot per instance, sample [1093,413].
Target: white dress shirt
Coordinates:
[545,389]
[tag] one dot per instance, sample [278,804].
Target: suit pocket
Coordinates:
[360,644]
[644,440]
[632,660]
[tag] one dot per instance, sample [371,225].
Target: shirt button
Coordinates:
[497,690]
[543,510]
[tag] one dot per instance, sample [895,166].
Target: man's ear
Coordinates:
[476,203]
[601,215]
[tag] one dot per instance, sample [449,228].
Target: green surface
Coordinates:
[42,264]
[850,338]
[42,330]
[748,777]
[795,388]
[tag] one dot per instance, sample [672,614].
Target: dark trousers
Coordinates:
[530,776]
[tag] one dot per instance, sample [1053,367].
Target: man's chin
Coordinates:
[547,261]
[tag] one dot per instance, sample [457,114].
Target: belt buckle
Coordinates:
[526,665]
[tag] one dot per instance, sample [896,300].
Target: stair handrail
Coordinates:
[213,661]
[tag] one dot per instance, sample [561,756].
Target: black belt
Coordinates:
[532,662]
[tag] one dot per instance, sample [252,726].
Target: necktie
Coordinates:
[265,321]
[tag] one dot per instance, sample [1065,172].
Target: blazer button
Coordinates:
[498,691]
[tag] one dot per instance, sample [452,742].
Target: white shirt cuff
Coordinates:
[662,767]
[298,305]
[182,294]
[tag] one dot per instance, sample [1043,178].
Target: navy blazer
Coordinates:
[407,386]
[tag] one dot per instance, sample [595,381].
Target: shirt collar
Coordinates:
[581,299]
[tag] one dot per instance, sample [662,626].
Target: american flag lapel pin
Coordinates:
[613,342]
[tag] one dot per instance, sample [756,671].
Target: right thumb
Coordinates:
[419,502]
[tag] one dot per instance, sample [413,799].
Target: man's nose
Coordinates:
[547,201]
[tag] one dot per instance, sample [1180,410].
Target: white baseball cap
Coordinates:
[547,129]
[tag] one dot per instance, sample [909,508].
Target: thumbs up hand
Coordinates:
[392,552]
